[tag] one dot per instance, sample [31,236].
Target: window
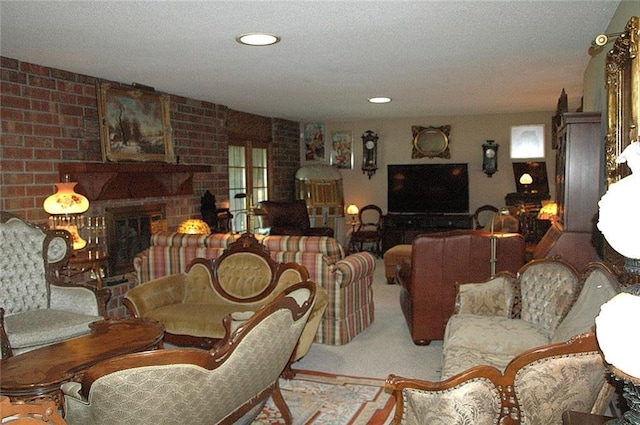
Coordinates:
[248,181]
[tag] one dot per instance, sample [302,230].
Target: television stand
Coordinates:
[403,228]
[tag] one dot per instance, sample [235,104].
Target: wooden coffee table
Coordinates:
[39,373]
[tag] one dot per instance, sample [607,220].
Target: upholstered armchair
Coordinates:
[38,308]
[290,218]
[192,305]
[228,384]
[535,389]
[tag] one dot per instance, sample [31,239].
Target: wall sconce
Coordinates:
[369,153]
[353,211]
[66,208]
[526,180]
[194,226]
[490,157]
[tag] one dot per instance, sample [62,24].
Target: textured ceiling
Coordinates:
[431,57]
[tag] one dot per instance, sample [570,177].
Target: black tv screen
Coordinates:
[428,188]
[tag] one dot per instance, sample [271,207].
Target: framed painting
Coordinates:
[314,141]
[342,149]
[134,124]
[527,141]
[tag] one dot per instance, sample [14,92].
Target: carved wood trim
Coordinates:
[106,181]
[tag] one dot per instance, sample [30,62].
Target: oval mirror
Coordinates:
[430,142]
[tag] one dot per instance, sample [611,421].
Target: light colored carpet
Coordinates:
[384,347]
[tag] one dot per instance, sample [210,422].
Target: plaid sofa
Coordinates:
[346,278]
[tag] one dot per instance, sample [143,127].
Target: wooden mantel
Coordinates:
[104,181]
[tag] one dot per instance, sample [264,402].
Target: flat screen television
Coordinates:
[428,188]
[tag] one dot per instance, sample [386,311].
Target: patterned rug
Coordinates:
[320,398]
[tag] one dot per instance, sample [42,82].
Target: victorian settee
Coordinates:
[522,344]
[242,280]
[38,308]
[346,279]
[227,385]
[438,262]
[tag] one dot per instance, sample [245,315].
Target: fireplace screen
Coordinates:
[129,232]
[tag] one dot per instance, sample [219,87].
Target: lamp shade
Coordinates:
[194,226]
[618,333]
[548,211]
[352,209]
[66,200]
[619,207]
[526,179]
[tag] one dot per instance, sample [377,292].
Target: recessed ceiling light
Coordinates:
[257,39]
[380,99]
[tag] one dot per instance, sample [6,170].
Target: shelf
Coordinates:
[107,181]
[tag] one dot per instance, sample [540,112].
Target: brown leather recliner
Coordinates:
[290,218]
[438,262]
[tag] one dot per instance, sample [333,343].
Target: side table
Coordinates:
[84,262]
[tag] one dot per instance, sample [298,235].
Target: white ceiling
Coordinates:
[431,57]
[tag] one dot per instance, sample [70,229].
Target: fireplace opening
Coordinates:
[129,231]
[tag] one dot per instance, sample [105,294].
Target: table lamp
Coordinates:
[618,333]
[353,210]
[194,226]
[66,208]
[618,324]
[526,180]
[549,211]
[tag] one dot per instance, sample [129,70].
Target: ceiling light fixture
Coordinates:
[380,99]
[257,39]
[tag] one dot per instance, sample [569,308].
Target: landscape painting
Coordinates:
[134,124]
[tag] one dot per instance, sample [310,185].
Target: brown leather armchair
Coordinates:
[439,261]
[290,218]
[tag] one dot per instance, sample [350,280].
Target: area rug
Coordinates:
[316,398]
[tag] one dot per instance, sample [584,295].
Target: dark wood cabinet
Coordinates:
[403,228]
[579,170]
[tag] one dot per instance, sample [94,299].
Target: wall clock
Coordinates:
[369,153]
[490,157]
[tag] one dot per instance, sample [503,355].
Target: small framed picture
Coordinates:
[527,141]
[342,149]
[314,141]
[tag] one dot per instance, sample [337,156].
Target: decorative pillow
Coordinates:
[491,298]
[597,290]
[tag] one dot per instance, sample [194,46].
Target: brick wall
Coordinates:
[50,116]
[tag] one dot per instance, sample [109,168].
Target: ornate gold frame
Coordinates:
[431,142]
[623,98]
[140,115]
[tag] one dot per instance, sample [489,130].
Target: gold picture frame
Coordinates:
[623,98]
[431,142]
[135,124]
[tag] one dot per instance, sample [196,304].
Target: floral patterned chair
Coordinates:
[534,389]
[228,384]
[38,309]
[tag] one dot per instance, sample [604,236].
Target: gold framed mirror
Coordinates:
[431,142]
[623,98]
